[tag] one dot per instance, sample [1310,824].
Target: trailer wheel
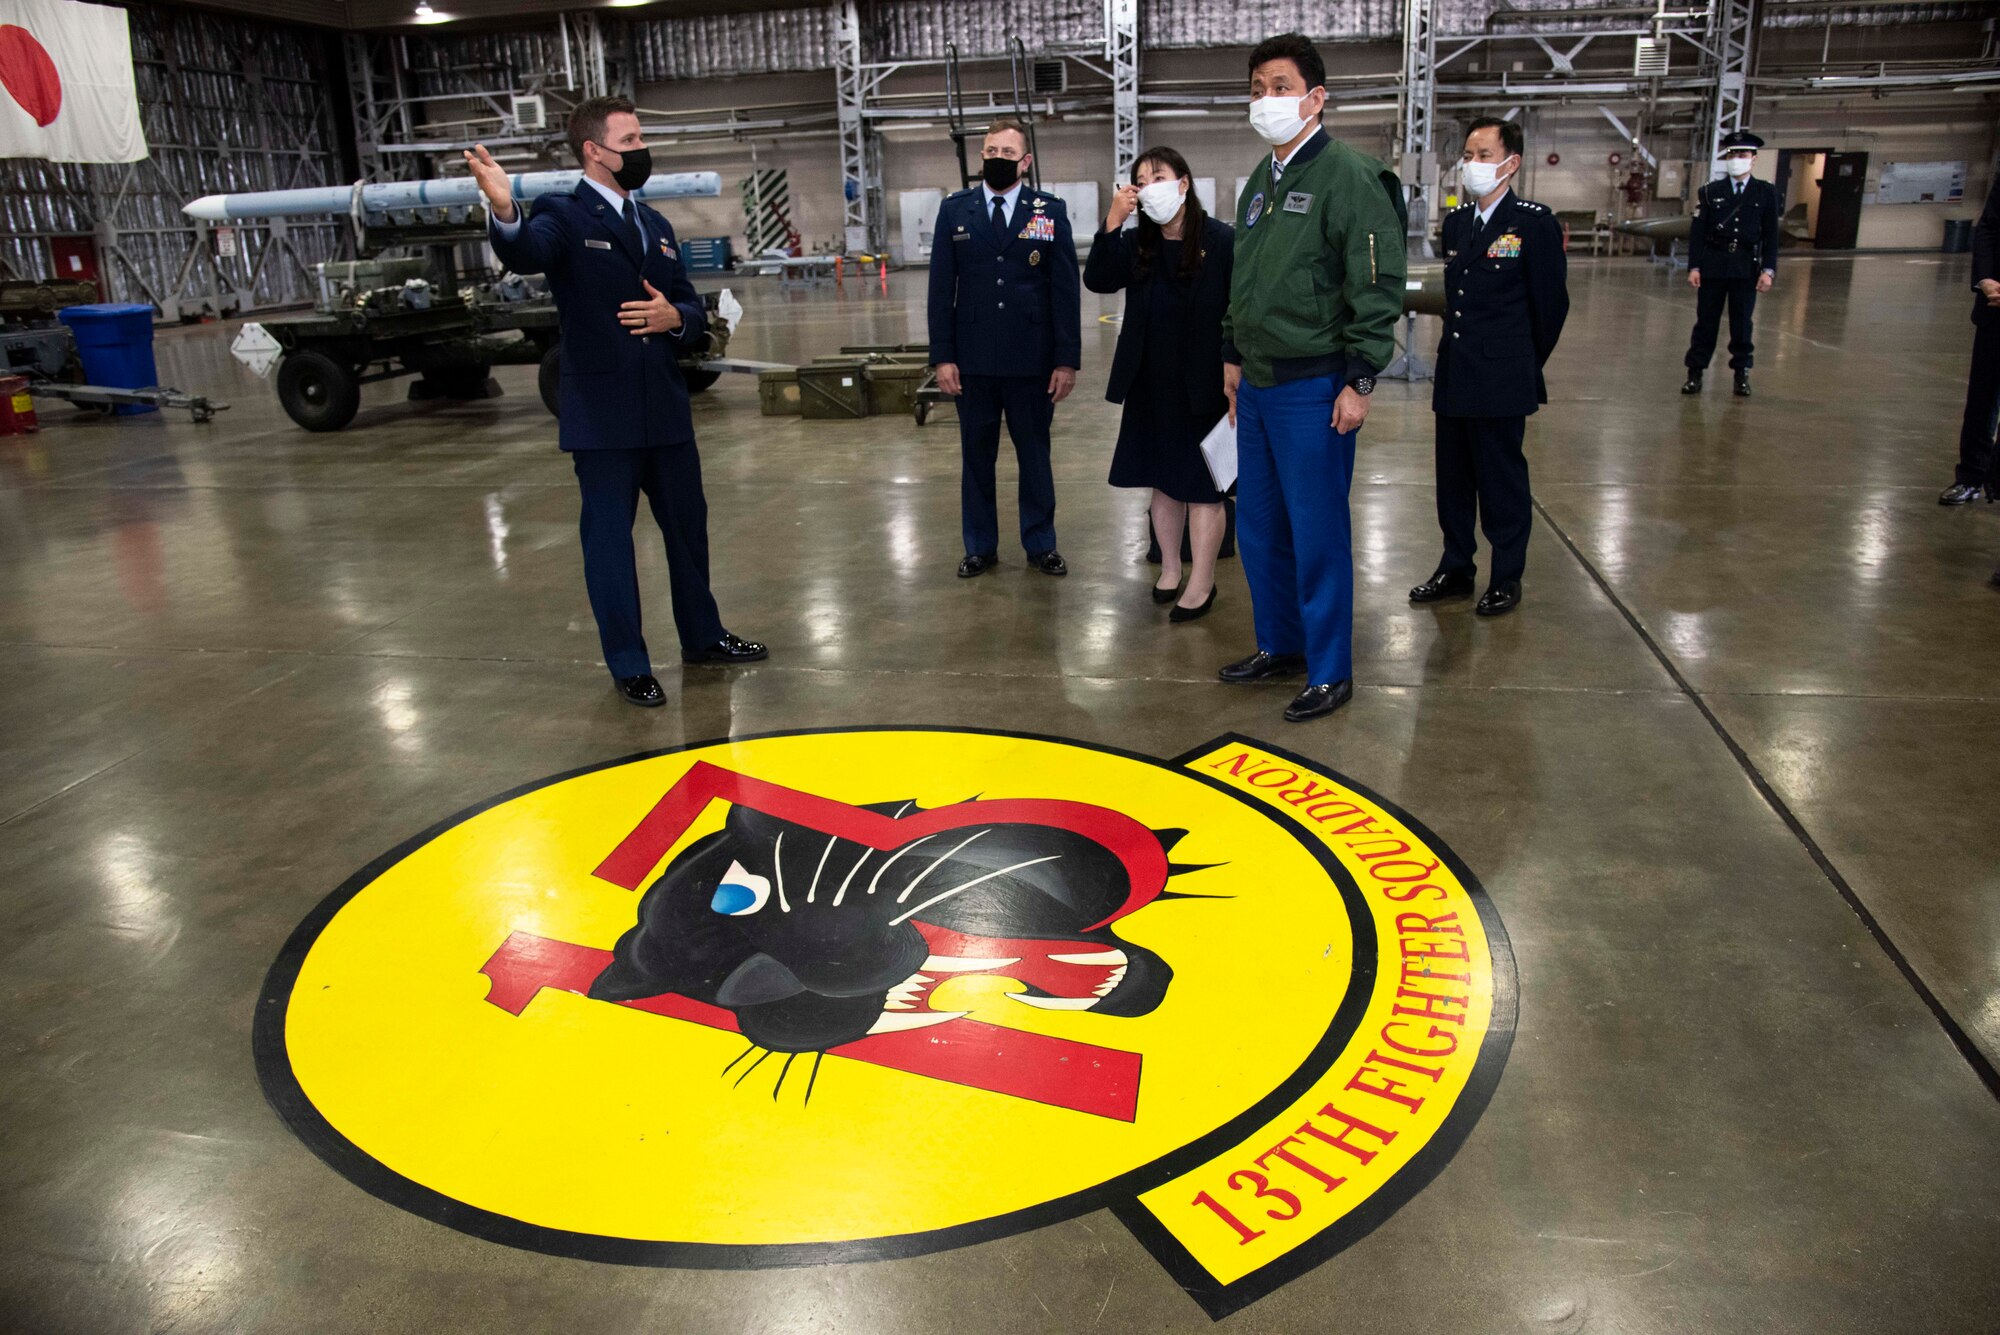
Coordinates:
[549,380]
[318,392]
[699,380]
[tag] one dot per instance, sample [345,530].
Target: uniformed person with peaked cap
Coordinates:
[1732,256]
[1506,297]
[1006,335]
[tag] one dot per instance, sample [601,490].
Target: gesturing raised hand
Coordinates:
[493,183]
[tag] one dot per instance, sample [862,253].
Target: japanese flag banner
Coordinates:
[66,90]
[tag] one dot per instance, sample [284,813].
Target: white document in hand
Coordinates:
[1219,449]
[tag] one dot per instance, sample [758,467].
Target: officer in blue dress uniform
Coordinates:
[1732,256]
[625,304]
[1006,337]
[1506,297]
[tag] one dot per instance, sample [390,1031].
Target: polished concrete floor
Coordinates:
[1728,775]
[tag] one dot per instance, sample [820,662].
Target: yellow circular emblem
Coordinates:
[848,994]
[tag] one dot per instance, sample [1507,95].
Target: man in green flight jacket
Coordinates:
[1313,305]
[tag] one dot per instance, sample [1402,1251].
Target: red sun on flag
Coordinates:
[29,75]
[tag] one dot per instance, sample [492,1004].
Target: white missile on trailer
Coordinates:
[444,193]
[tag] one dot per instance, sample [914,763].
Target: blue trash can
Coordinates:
[115,341]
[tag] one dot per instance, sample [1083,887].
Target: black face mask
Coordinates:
[1000,173]
[635,167]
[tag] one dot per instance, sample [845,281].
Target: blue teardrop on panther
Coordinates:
[733,898]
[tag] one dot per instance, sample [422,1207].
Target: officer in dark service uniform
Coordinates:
[624,303]
[1732,256]
[1506,297]
[1006,337]
[1978,462]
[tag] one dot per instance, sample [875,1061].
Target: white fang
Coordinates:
[1094,957]
[964,963]
[1055,1003]
[895,1024]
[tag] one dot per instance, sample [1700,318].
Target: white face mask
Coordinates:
[1481,178]
[1161,200]
[1738,166]
[1276,119]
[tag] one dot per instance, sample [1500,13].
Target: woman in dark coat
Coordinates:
[1174,269]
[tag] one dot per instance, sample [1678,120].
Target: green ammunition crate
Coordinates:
[892,389]
[837,391]
[778,393]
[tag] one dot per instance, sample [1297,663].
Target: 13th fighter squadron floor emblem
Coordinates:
[1244,1004]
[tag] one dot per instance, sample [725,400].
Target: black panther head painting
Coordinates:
[813,940]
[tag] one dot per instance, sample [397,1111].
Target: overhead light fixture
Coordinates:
[425,14]
[628,4]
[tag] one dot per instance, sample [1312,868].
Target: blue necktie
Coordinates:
[631,212]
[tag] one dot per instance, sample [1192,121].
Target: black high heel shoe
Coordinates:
[1165,596]
[1193,613]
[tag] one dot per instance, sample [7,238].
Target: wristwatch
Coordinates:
[1362,384]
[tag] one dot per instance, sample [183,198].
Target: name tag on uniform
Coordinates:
[597,245]
[1298,202]
[1506,246]
[961,235]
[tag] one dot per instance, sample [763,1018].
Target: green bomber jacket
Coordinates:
[1319,268]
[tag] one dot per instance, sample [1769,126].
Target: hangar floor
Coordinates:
[238,661]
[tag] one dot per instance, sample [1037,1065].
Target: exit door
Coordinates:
[1840,185]
[76,260]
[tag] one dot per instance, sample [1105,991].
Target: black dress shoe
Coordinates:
[1441,586]
[1319,701]
[976,565]
[1261,665]
[642,690]
[1049,563]
[1165,596]
[1742,384]
[1693,385]
[1962,493]
[728,649]
[1193,613]
[1499,600]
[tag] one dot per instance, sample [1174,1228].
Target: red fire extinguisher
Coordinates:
[17,407]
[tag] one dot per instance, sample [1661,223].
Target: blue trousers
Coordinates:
[611,481]
[1292,526]
[1024,401]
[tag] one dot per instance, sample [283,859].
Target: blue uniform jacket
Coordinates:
[1014,309]
[1506,295]
[619,391]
